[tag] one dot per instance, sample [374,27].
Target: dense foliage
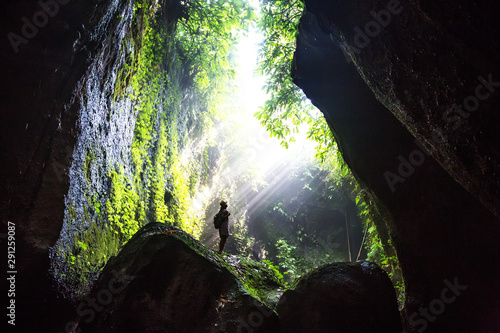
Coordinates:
[206,35]
[287,108]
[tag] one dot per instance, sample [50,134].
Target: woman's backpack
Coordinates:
[217,220]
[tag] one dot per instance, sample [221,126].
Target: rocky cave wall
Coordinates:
[40,69]
[388,94]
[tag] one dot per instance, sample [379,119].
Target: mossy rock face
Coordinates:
[165,281]
[341,297]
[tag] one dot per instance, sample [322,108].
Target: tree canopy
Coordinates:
[287,108]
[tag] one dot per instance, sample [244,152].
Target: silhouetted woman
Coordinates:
[224,227]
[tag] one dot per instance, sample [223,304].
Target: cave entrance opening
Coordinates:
[177,121]
[287,206]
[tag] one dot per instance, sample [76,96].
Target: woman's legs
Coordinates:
[223,239]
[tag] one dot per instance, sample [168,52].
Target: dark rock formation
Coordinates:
[434,66]
[170,283]
[341,297]
[441,220]
[40,70]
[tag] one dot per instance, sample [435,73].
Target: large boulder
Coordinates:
[341,297]
[165,281]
